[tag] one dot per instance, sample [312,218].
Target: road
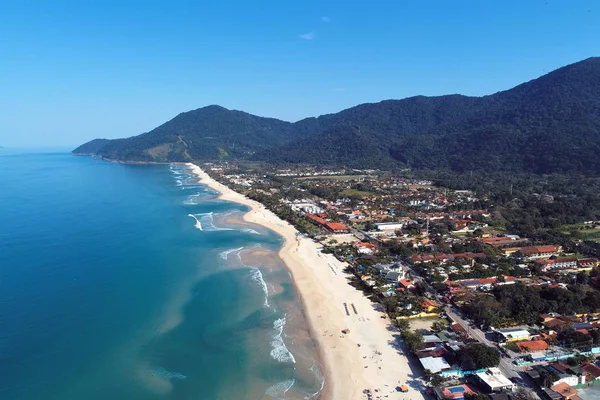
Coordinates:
[505,363]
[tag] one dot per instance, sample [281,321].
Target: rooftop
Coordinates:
[434,364]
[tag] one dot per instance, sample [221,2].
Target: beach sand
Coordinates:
[369,356]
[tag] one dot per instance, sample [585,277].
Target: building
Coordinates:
[592,370]
[533,252]
[512,335]
[533,345]
[389,226]
[587,263]
[394,276]
[366,248]
[557,263]
[566,391]
[494,381]
[435,364]
[334,227]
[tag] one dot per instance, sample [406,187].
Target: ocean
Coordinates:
[135,282]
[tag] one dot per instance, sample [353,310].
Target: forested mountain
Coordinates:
[208,133]
[550,124]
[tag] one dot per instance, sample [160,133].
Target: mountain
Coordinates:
[550,124]
[211,132]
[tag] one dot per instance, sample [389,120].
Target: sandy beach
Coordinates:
[366,358]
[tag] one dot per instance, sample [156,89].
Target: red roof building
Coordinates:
[532,345]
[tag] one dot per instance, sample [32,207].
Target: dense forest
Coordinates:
[548,125]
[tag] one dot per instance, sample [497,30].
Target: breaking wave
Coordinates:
[198,224]
[249,230]
[278,390]
[257,277]
[207,222]
[279,350]
[225,254]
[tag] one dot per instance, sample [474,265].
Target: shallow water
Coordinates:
[134,282]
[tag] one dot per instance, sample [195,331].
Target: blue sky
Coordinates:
[71,71]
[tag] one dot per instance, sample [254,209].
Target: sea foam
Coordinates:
[225,254]
[278,390]
[198,224]
[279,350]
[257,277]
[163,373]
[207,222]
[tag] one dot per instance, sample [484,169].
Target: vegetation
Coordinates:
[478,355]
[548,125]
[523,304]
[413,340]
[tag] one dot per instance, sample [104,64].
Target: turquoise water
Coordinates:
[109,289]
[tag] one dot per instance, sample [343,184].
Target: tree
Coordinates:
[548,376]
[479,355]
[390,303]
[512,346]
[478,396]
[439,326]
[524,394]
[413,340]
[436,380]
[402,324]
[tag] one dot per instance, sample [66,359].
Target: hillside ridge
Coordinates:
[548,124]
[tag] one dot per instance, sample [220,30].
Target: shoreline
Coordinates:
[367,357]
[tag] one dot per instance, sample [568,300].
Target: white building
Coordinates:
[494,381]
[389,226]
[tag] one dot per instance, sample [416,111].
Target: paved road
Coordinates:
[505,363]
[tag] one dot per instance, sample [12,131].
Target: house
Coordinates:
[566,391]
[431,340]
[406,284]
[365,248]
[458,328]
[467,256]
[435,364]
[494,381]
[393,276]
[592,371]
[532,345]
[385,268]
[430,305]
[512,335]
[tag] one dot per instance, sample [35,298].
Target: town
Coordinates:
[488,313]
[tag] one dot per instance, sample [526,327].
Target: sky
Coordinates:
[71,71]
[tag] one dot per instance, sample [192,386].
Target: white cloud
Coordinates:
[325,19]
[307,36]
